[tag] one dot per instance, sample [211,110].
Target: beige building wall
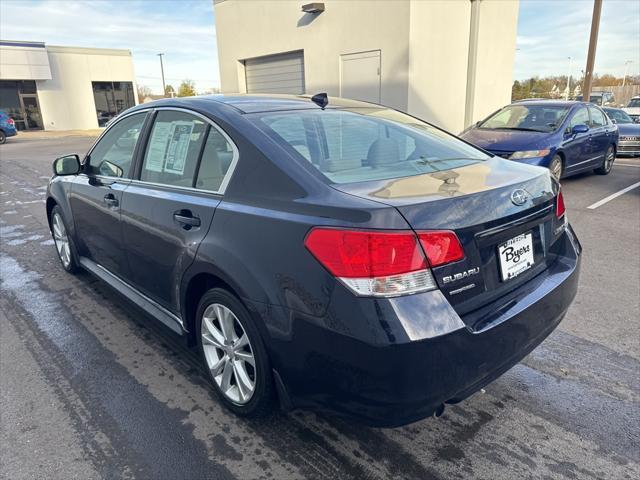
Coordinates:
[439,39]
[247,29]
[424,46]
[496,56]
[66,101]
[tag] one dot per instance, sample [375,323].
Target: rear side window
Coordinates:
[174,147]
[355,145]
[597,117]
[216,160]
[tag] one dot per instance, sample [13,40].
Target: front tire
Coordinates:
[555,167]
[607,163]
[233,354]
[63,241]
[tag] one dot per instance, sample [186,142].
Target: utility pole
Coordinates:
[569,81]
[626,66]
[591,56]
[164,87]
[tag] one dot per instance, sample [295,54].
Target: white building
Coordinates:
[447,61]
[64,88]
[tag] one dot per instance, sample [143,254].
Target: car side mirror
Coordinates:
[109,169]
[67,165]
[581,128]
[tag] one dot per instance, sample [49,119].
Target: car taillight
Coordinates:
[383,263]
[372,263]
[560,209]
[441,246]
[10,121]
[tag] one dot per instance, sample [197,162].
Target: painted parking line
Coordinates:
[618,164]
[613,195]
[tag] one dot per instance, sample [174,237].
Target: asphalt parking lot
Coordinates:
[91,388]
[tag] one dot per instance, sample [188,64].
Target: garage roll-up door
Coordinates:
[281,73]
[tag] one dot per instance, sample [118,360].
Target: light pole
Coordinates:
[626,66]
[569,80]
[164,87]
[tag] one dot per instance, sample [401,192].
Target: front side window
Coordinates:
[597,117]
[363,144]
[581,117]
[537,118]
[635,102]
[173,149]
[113,154]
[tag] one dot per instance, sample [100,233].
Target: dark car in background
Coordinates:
[564,136]
[346,256]
[7,127]
[629,131]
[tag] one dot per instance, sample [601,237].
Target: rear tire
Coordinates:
[555,167]
[233,354]
[63,241]
[3,138]
[607,163]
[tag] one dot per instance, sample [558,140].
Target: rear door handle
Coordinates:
[186,219]
[110,200]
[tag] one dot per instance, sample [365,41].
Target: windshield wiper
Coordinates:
[427,161]
[524,129]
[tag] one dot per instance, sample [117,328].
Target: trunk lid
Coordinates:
[475,202]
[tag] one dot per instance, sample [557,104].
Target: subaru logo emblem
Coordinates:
[519,197]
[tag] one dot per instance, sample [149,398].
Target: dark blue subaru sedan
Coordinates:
[566,137]
[342,256]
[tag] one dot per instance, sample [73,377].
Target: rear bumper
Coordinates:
[10,132]
[405,380]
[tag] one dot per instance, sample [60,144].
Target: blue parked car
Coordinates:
[566,137]
[628,130]
[7,127]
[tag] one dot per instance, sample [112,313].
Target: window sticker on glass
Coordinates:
[179,139]
[158,146]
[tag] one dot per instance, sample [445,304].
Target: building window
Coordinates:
[112,98]
[19,100]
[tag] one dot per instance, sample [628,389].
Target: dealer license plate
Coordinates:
[516,256]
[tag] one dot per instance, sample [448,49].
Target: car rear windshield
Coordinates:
[620,116]
[635,102]
[363,144]
[535,118]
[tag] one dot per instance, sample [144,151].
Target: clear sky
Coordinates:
[549,31]
[184,30]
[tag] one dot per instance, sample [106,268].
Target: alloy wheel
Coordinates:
[556,168]
[608,161]
[228,353]
[61,240]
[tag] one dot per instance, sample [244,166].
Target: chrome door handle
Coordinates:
[186,218]
[110,200]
